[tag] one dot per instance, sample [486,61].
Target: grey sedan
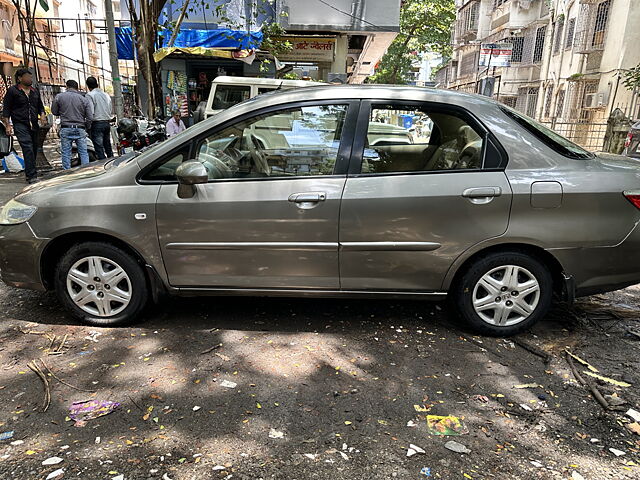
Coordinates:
[299,194]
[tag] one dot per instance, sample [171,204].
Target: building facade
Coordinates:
[567,62]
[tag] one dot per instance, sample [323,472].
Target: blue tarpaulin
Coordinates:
[124,43]
[219,38]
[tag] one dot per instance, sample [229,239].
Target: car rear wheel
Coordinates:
[100,284]
[504,293]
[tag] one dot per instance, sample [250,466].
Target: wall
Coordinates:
[346,15]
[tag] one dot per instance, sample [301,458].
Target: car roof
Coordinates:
[262,81]
[358,92]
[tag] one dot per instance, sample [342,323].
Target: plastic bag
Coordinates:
[13,163]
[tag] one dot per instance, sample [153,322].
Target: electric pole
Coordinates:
[113,58]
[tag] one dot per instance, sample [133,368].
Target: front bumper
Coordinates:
[20,251]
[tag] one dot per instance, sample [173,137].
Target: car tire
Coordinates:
[95,301]
[480,298]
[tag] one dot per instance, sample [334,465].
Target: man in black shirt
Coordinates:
[23,105]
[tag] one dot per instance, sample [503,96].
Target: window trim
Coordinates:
[366,106]
[342,159]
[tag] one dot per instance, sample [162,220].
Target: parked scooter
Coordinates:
[136,134]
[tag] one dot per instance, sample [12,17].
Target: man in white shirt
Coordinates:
[101,124]
[175,125]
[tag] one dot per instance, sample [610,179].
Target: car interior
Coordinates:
[449,144]
[305,141]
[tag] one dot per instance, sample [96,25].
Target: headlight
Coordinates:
[14,212]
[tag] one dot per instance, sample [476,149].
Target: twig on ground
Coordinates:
[62,381]
[64,340]
[533,349]
[590,385]
[134,402]
[469,338]
[47,389]
[32,332]
[208,350]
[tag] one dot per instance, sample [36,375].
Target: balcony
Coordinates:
[592,26]
[467,23]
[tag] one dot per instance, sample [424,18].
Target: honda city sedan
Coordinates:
[354,191]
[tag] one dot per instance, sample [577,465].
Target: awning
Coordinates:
[221,38]
[246,56]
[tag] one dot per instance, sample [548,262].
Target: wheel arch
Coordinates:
[550,261]
[57,246]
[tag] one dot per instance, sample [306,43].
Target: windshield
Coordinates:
[549,137]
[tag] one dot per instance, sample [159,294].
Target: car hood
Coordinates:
[75,174]
[93,170]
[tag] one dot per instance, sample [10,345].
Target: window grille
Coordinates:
[559,32]
[538,49]
[560,104]
[469,63]
[547,101]
[509,101]
[526,101]
[518,43]
[571,30]
[591,26]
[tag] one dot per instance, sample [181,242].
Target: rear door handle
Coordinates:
[308,197]
[482,192]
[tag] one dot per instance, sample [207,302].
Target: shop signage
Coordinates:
[309,49]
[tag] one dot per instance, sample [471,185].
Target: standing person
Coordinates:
[23,105]
[175,125]
[101,124]
[75,112]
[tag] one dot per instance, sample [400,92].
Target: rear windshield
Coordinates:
[548,136]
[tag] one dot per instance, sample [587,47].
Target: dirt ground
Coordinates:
[323,389]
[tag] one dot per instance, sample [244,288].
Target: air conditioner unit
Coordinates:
[595,100]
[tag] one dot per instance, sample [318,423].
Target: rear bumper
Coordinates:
[602,269]
[20,252]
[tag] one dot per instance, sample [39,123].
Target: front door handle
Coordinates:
[482,192]
[308,197]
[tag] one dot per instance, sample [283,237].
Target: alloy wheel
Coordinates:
[506,295]
[99,286]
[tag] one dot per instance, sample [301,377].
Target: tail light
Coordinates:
[627,142]
[633,197]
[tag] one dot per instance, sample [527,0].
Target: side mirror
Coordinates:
[190,174]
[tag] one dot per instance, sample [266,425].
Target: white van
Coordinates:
[228,91]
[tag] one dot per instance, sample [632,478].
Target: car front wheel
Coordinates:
[504,293]
[100,284]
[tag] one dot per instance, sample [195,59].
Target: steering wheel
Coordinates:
[258,156]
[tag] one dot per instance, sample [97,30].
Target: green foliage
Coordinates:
[632,78]
[425,25]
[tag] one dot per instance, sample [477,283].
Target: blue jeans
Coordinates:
[67,137]
[101,138]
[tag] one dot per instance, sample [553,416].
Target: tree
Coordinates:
[424,25]
[632,78]
[145,15]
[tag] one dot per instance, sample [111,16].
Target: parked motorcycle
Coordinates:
[136,134]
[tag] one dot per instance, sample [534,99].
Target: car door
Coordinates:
[268,217]
[409,209]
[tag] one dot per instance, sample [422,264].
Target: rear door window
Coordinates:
[402,138]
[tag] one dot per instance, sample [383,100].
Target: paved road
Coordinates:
[298,389]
